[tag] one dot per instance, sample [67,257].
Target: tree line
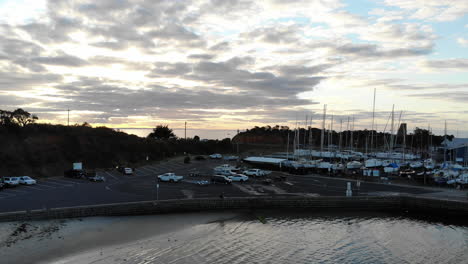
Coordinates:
[419,140]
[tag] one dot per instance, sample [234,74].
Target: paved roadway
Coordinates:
[62,192]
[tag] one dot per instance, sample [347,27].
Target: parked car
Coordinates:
[11,181]
[216,156]
[194,173]
[203,183]
[2,185]
[228,158]
[125,170]
[26,180]
[200,158]
[75,173]
[255,172]
[239,178]
[169,177]
[96,178]
[220,179]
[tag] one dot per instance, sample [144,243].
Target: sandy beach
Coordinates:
[87,240]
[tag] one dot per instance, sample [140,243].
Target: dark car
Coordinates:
[220,179]
[75,174]
[200,158]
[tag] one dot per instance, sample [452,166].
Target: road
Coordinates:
[65,192]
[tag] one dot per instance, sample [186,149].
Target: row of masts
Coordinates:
[388,145]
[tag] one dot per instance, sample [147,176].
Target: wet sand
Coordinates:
[90,239]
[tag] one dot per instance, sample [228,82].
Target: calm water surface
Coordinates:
[301,238]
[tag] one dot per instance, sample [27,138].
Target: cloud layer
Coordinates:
[225,64]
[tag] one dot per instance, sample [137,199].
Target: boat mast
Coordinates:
[445,139]
[372,127]
[391,128]
[310,137]
[305,131]
[323,129]
[331,131]
[352,130]
[341,135]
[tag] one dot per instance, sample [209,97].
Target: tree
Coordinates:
[162,132]
[6,118]
[23,118]
[196,138]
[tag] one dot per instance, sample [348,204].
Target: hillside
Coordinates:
[45,150]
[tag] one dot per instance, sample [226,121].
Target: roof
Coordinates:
[455,143]
[264,160]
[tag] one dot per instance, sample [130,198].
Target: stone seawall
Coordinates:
[358,203]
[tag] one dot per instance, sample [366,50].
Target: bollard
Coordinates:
[349,192]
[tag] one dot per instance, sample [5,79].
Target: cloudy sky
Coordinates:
[233,64]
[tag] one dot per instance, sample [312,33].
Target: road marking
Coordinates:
[289,183]
[17,191]
[58,184]
[35,188]
[46,185]
[67,184]
[113,176]
[67,181]
[7,195]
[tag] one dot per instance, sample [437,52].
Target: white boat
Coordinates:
[354,165]
[309,164]
[372,163]
[224,167]
[416,164]
[392,167]
[324,165]
[429,164]
[463,178]
[337,166]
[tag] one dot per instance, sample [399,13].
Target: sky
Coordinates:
[235,64]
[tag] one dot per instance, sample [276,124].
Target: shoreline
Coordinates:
[55,241]
[449,207]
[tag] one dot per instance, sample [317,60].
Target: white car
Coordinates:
[216,156]
[11,181]
[27,180]
[256,172]
[169,177]
[238,178]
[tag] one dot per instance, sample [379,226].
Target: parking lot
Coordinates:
[142,185]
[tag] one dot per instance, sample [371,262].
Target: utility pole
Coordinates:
[185,130]
[68,119]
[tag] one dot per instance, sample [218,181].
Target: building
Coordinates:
[457,149]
